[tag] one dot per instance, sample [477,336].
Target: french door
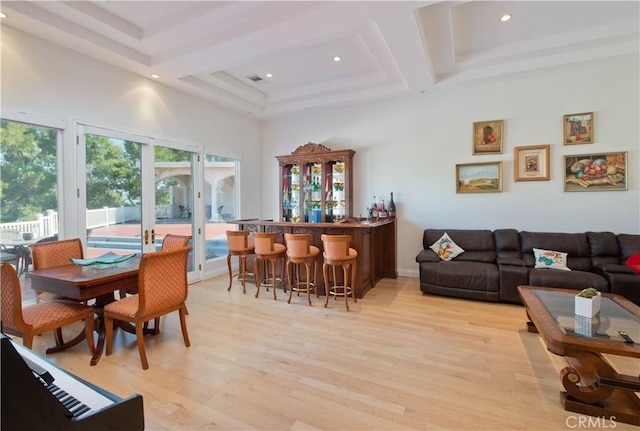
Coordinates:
[133,191]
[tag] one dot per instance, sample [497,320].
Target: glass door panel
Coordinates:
[174,195]
[220,204]
[113,194]
[29,167]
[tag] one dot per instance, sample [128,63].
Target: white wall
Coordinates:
[44,79]
[408,146]
[411,146]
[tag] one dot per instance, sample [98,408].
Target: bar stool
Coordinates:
[239,245]
[338,253]
[300,250]
[269,251]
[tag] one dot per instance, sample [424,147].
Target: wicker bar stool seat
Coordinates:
[338,253]
[300,251]
[239,245]
[268,250]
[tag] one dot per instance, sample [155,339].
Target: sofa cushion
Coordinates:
[478,245]
[446,248]
[604,248]
[629,245]
[575,245]
[549,259]
[462,275]
[577,280]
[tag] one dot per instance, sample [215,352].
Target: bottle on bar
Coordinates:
[374,210]
[392,207]
[382,211]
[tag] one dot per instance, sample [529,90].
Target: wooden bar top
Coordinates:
[375,243]
[361,224]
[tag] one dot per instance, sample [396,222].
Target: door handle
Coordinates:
[146,236]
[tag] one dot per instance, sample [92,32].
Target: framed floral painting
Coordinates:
[531,163]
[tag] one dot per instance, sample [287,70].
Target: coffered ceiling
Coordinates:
[222,51]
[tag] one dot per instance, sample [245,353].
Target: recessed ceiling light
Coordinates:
[506,17]
[3,15]
[269,75]
[337,58]
[155,76]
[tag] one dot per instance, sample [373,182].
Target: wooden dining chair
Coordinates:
[52,254]
[173,241]
[162,289]
[42,317]
[169,242]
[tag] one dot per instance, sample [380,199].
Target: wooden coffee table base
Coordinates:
[594,388]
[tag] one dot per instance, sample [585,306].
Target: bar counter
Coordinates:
[375,243]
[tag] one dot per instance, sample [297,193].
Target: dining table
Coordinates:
[97,282]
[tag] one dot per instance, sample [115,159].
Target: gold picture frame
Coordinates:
[595,172]
[531,163]
[487,137]
[479,177]
[578,129]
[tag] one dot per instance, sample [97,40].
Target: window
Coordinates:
[220,203]
[28,186]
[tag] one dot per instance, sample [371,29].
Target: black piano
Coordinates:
[37,395]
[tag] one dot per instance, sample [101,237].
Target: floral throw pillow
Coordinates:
[446,248]
[550,259]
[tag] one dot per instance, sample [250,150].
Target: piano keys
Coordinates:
[38,395]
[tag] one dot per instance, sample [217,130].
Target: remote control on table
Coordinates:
[627,338]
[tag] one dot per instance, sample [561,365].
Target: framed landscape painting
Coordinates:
[487,137]
[578,128]
[595,172]
[531,163]
[479,177]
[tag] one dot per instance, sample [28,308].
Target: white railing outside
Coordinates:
[109,216]
[42,227]
[47,225]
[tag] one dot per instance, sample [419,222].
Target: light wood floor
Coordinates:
[399,360]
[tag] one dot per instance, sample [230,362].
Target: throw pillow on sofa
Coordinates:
[550,259]
[634,262]
[445,248]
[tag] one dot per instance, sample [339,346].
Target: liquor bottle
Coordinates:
[392,207]
[374,210]
[382,211]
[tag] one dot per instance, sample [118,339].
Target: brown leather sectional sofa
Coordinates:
[494,263]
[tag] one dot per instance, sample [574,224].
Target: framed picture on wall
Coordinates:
[531,163]
[578,128]
[487,137]
[479,177]
[595,172]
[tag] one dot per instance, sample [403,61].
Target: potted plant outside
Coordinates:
[587,302]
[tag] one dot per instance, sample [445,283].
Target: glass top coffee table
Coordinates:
[592,385]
